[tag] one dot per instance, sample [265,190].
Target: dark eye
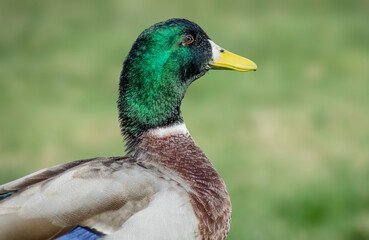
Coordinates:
[188,39]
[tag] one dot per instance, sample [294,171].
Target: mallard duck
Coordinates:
[165,187]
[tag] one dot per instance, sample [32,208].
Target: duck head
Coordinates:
[164,60]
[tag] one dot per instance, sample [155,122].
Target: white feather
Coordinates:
[169,216]
[175,129]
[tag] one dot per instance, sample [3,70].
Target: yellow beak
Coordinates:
[223,59]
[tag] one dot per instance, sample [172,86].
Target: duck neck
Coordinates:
[148,101]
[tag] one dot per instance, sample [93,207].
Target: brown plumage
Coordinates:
[209,197]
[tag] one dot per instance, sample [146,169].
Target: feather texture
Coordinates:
[116,196]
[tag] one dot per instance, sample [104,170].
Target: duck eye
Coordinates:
[188,39]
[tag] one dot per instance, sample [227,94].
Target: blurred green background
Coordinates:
[290,140]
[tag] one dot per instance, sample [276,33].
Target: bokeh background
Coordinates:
[290,140]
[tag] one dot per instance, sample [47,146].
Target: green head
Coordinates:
[164,60]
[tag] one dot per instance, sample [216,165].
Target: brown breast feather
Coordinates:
[209,197]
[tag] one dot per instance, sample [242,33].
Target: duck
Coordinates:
[164,187]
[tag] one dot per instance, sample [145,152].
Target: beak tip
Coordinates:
[253,68]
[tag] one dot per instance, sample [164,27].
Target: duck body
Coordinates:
[164,188]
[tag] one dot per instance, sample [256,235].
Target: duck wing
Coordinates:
[99,194]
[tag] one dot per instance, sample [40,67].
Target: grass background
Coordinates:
[290,140]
